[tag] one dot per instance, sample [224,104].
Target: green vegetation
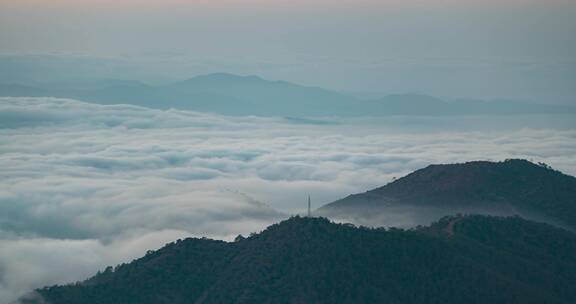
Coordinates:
[472,259]
[514,186]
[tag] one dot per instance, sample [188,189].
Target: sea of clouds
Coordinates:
[83,186]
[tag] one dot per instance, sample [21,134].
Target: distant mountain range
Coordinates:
[471,259]
[251,95]
[511,187]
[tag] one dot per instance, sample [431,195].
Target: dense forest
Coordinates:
[511,187]
[459,259]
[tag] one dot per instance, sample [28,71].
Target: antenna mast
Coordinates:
[309,206]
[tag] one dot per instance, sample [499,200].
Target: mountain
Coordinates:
[251,95]
[413,104]
[511,187]
[23,90]
[254,95]
[418,104]
[220,93]
[473,259]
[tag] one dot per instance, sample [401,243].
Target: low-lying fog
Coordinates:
[83,186]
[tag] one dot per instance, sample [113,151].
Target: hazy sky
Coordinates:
[520,49]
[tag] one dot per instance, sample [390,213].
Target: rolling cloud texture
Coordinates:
[83,186]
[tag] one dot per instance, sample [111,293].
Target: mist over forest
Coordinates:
[182,133]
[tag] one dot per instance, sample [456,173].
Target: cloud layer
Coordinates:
[83,186]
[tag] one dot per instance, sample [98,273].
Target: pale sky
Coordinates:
[520,49]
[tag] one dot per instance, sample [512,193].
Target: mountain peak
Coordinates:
[297,224]
[455,178]
[510,187]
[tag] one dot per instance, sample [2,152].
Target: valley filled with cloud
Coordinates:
[83,186]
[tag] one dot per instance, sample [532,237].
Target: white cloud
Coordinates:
[83,181]
[26,263]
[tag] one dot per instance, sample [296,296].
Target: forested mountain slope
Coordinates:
[472,259]
[511,187]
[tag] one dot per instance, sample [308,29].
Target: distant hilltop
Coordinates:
[511,187]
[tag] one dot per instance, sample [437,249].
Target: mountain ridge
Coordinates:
[510,187]
[313,260]
[231,94]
